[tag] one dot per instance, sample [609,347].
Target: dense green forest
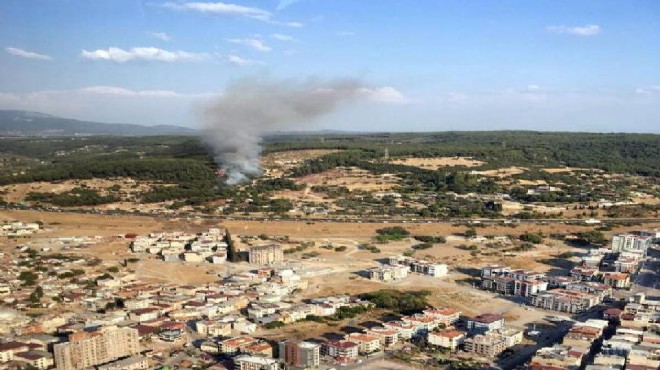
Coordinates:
[188,164]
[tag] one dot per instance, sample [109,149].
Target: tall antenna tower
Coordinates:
[386,156]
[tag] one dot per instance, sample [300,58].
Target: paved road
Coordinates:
[412,220]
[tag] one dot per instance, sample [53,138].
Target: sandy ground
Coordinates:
[439,162]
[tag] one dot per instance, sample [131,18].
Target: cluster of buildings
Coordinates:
[16,229]
[398,268]
[209,246]
[587,285]
[633,341]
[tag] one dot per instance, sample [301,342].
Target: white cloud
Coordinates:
[293,24]
[242,62]
[286,3]
[142,54]
[159,36]
[109,104]
[648,90]
[221,9]
[345,33]
[281,37]
[385,94]
[587,30]
[253,43]
[26,54]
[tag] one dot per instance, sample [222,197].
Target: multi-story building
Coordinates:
[388,337]
[271,254]
[485,345]
[130,363]
[512,282]
[299,354]
[247,362]
[88,349]
[388,273]
[404,330]
[448,338]
[558,357]
[485,322]
[563,300]
[235,345]
[443,316]
[631,243]
[341,350]
[366,343]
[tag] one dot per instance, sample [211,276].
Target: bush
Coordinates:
[431,239]
[422,246]
[397,301]
[531,238]
[392,233]
[274,325]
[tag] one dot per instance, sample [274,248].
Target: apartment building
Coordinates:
[563,300]
[447,338]
[485,322]
[247,362]
[388,273]
[341,350]
[485,345]
[632,243]
[558,357]
[271,254]
[616,280]
[88,349]
[366,343]
[300,354]
[443,316]
[388,337]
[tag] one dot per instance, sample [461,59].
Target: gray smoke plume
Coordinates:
[235,123]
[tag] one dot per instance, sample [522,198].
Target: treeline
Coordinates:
[75,198]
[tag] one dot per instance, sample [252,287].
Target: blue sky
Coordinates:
[429,65]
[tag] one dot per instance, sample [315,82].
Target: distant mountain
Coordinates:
[25,123]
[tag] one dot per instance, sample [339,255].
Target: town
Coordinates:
[67,307]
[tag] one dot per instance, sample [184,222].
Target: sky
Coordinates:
[429,65]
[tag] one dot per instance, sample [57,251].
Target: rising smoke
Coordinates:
[235,123]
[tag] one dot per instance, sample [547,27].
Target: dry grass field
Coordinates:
[439,162]
[352,178]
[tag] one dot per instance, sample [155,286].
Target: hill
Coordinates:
[17,123]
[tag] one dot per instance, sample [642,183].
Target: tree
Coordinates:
[470,232]
[36,295]
[232,254]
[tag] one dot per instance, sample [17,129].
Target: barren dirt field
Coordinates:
[503,172]
[439,162]
[352,178]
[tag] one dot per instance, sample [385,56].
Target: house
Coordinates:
[616,280]
[448,338]
[422,323]
[388,273]
[144,314]
[563,300]
[9,349]
[38,359]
